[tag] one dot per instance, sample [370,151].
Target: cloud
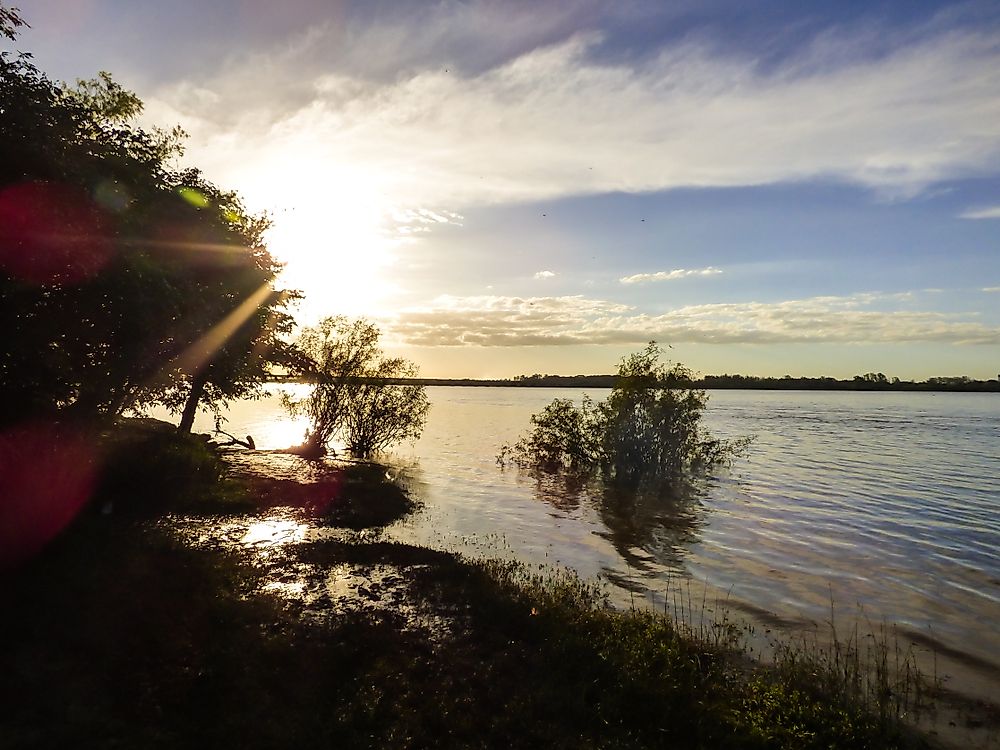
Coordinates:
[990,289]
[544,275]
[494,321]
[560,120]
[408,221]
[992,212]
[677,273]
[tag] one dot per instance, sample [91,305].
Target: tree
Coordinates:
[232,292]
[10,22]
[350,392]
[649,428]
[123,282]
[380,414]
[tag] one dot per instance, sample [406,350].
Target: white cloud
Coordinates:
[556,121]
[544,275]
[990,289]
[677,273]
[992,212]
[526,321]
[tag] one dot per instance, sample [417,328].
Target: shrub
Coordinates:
[149,465]
[649,428]
[353,390]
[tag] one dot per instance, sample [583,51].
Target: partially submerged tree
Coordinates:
[649,428]
[353,392]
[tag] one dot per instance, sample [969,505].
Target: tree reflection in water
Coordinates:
[649,523]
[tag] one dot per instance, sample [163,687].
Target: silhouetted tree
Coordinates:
[123,282]
[649,428]
[10,22]
[350,393]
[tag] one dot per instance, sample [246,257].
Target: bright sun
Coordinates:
[333,232]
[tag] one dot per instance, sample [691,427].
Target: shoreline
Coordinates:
[419,627]
[709,383]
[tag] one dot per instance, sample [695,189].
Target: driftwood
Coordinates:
[233,440]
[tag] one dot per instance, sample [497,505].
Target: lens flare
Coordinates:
[195,197]
[48,474]
[51,233]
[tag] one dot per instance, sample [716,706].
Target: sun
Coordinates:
[332,228]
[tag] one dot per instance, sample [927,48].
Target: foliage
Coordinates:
[10,21]
[352,390]
[649,428]
[123,282]
[148,465]
[515,659]
[381,414]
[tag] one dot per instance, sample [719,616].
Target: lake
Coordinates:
[883,504]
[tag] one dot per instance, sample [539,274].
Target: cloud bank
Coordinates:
[992,212]
[495,321]
[557,120]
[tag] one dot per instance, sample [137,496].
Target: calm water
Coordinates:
[886,503]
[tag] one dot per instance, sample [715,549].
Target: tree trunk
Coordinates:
[191,405]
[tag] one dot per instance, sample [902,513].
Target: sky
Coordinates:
[769,188]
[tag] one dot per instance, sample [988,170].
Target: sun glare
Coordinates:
[333,232]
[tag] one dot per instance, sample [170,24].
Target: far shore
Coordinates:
[960,384]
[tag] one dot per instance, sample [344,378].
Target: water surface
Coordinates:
[885,504]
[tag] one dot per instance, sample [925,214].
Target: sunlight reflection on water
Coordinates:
[274,532]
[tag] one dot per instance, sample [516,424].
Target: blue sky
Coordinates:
[805,188]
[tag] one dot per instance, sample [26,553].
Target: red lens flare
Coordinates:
[51,233]
[47,474]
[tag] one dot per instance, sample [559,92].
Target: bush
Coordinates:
[648,428]
[149,465]
[354,393]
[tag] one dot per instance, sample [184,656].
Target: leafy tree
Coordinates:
[350,393]
[563,436]
[231,291]
[380,414]
[649,428]
[10,21]
[123,282]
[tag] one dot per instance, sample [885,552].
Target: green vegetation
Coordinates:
[147,466]
[138,617]
[350,394]
[648,429]
[124,282]
[157,643]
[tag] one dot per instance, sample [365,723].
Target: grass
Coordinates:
[122,636]
[869,671]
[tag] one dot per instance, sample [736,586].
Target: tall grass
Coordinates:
[826,689]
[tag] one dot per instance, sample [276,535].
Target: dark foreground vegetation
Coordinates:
[151,627]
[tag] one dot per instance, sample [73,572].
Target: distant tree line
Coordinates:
[867,382]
